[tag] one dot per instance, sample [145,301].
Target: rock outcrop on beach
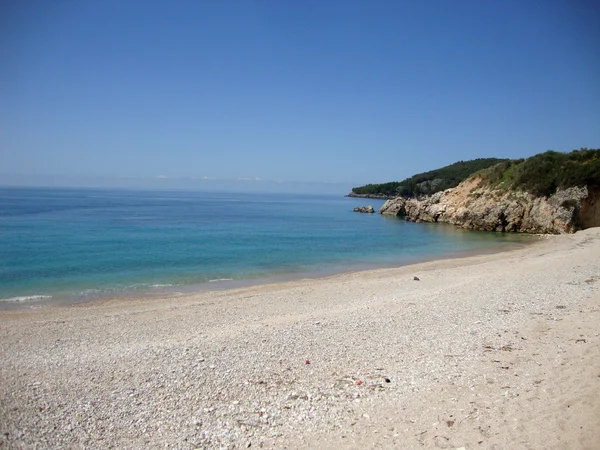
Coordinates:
[364,209]
[475,205]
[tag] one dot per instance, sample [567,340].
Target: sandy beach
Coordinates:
[484,352]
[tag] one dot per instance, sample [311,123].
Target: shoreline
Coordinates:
[487,351]
[44,301]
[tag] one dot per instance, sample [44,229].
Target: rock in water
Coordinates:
[364,209]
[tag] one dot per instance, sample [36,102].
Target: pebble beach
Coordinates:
[491,351]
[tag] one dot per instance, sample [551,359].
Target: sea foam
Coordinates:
[25,298]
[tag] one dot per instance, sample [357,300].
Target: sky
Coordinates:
[337,92]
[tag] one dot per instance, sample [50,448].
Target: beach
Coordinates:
[491,351]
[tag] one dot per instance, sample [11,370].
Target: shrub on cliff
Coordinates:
[542,174]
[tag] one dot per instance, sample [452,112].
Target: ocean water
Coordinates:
[80,244]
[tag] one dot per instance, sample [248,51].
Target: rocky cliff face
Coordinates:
[474,206]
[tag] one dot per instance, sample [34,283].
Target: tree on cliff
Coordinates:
[428,183]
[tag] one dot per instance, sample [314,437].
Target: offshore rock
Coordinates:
[475,206]
[364,209]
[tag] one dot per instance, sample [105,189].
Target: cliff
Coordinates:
[474,204]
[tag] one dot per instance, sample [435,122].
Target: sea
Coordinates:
[69,245]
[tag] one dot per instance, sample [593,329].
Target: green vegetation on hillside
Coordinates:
[542,174]
[429,182]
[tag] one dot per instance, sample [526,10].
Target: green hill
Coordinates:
[429,182]
[543,173]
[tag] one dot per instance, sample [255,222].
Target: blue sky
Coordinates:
[321,91]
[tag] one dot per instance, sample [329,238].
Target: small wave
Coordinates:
[220,279]
[160,285]
[138,218]
[87,292]
[25,298]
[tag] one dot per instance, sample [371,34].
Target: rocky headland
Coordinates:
[475,205]
[548,193]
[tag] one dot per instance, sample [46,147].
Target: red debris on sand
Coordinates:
[359,382]
[307,362]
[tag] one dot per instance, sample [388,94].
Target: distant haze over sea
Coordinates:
[249,185]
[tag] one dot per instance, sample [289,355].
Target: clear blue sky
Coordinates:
[337,91]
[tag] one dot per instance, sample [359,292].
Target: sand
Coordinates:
[485,352]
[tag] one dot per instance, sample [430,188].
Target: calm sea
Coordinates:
[78,244]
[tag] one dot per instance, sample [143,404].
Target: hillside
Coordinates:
[429,182]
[544,173]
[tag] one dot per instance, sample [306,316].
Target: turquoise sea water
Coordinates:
[78,244]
